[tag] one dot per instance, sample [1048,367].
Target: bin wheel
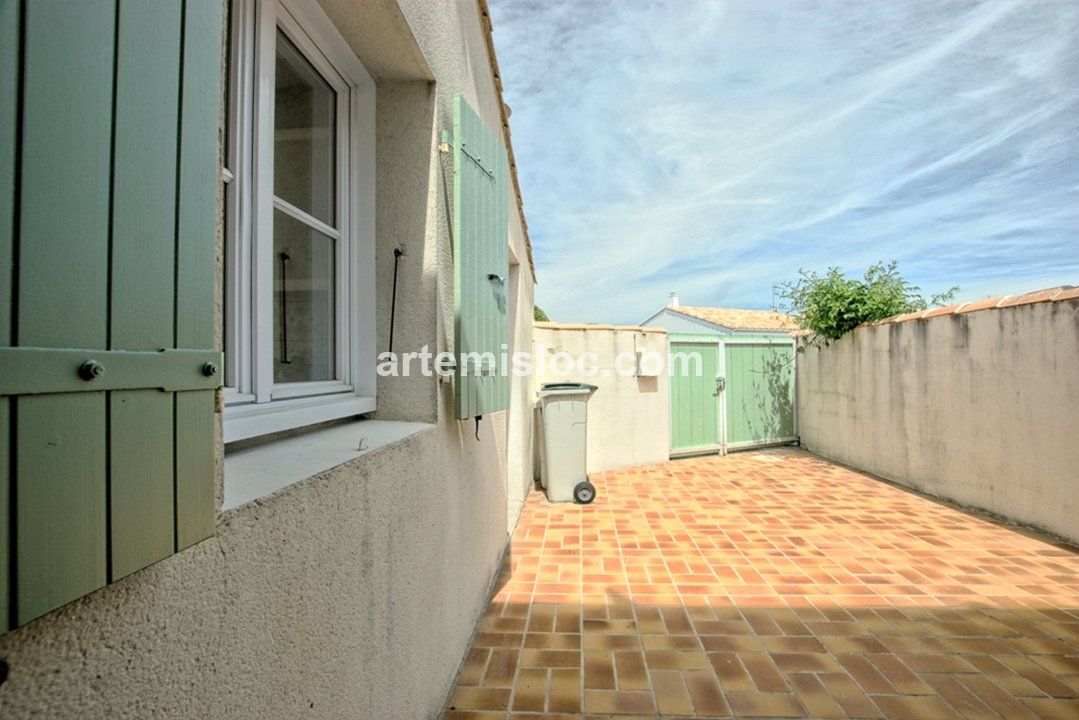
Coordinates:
[584,492]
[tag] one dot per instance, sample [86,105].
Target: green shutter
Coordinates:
[110,249]
[480,264]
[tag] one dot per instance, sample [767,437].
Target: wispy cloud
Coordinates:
[714,148]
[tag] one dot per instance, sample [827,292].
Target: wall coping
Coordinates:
[1000,302]
[1053,294]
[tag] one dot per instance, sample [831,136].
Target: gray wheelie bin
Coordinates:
[564,412]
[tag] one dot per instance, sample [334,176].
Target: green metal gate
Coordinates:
[696,414]
[730,393]
[759,397]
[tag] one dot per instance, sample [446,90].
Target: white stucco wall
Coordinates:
[519,422]
[415,206]
[979,408]
[628,416]
[352,594]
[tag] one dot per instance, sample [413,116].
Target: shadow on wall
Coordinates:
[769,406]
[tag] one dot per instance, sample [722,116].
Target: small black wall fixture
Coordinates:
[397,253]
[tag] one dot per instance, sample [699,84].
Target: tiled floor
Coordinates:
[772,584]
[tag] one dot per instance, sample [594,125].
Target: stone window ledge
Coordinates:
[256,472]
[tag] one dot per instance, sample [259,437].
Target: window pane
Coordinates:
[304,134]
[304,302]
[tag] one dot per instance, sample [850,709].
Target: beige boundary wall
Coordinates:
[353,593]
[976,404]
[628,417]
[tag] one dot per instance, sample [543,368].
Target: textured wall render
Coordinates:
[628,417]
[352,594]
[979,408]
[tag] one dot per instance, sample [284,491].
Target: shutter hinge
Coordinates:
[38,371]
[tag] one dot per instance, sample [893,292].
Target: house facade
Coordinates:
[218,498]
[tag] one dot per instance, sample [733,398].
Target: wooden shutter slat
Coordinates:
[196,235]
[5,511]
[141,509]
[487,287]
[481,250]
[141,506]
[9,94]
[60,465]
[459,270]
[9,89]
[66,145]
[144,175]
[502,260]
[472,235]
[197,217]
[60,533]
[196,504]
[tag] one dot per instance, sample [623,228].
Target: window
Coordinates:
[298,178]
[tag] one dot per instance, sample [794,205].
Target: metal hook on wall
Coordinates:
[398,253]
[284,257]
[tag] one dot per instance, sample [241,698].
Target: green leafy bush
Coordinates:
[538,315]
[831,305]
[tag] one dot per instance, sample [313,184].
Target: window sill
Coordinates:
[256,472]
[247,421]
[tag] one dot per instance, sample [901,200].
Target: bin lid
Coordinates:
[567,388]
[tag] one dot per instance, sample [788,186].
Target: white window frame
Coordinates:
[255,405]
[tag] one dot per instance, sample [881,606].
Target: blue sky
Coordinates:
[714,148]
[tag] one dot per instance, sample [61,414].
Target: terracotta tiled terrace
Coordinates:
[772,584]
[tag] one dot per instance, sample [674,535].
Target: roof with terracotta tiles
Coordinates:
[1053,294]
[737,319]
[543,325]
